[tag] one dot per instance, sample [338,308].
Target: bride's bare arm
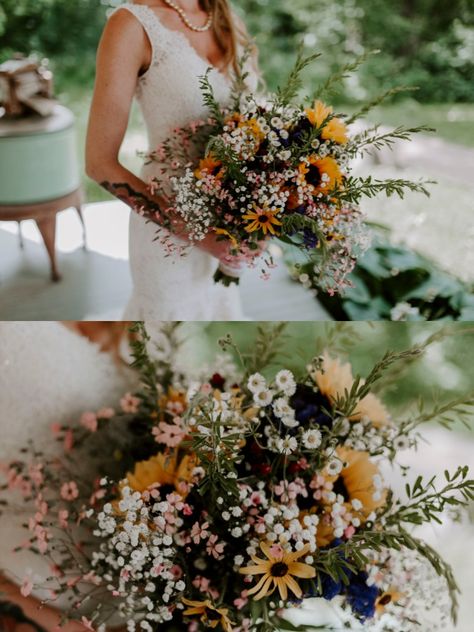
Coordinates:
[124,52]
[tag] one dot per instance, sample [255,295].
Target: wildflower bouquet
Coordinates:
[223,503]
[275,167]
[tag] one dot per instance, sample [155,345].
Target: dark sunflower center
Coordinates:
[386,599]
[280,569]
[213,615]
[313,176]
[215,170]
[264,219]
[340,488]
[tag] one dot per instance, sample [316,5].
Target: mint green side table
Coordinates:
[39,174]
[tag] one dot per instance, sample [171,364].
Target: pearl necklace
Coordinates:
[184,18]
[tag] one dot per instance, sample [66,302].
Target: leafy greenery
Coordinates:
[394,282]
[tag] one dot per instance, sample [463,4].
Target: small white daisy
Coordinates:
[312,439]
[286,382]
[256,383]
[263,397]
[287,445]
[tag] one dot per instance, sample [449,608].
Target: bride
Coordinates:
[157,50]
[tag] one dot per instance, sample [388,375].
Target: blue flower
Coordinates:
[310,406]
[361,597]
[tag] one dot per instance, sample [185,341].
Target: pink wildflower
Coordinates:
[63,515]
[129,403]
[69,491]
[199,532]
[170,435]
[26,587]
[89,421]
[214,548]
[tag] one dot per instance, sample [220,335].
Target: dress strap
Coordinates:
[151,25]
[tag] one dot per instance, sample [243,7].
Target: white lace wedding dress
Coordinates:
[48,374]
[173,287]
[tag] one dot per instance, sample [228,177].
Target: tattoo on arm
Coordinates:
[139,202]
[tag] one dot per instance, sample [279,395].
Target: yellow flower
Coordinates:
[210,615]
[278,570]
[223,231]
[262,219]
[253,127]
[209,166]
[335,378]
[355,482]
[163,470]
[313,170]
[334,129]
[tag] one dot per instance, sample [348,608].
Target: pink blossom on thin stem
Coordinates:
[129,403]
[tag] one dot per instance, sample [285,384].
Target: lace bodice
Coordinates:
[168,92]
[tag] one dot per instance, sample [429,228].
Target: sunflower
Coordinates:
[165,471]
[210,615]
[313,169]
[334,129]
[278,570]
[354,483]
[334,378]
[209,166]
[262,219]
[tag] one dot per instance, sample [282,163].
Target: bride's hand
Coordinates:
[220,249]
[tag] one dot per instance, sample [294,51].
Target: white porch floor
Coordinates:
[96,283]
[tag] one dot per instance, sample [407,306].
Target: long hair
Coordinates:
[227,30]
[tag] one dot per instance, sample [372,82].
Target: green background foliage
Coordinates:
[429,43]
[444,372]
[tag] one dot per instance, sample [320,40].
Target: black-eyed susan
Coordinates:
[334,129]
[262,219]
[322,173]
[389,596]
[163,470]
[334,378]
[279,571]
[209,166]
[209,614]
[225,233]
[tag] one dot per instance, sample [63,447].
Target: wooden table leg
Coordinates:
[47,228]
[83,224]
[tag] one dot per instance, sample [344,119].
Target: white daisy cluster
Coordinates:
[137,551]
[194,204]
[277,519]
[364,436]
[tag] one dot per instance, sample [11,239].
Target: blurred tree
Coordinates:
[429,43]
